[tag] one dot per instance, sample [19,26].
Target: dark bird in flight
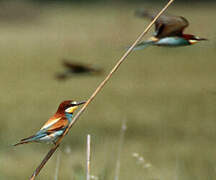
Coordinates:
[168,31]
[74,68]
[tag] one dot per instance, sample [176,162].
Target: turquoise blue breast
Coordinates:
[172,41]
[69,116]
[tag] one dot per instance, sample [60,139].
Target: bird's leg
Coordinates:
[54,142]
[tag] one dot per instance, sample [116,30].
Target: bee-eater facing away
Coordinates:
[168,31]
[56,125]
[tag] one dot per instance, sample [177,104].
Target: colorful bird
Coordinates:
[168,31]
[56,125]
[76,68]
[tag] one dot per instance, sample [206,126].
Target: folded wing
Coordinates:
[54,124]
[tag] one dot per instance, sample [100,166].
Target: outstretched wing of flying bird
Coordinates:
[165,25]
[76,68]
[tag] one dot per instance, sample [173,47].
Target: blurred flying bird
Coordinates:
[76,68]
[168,31]
[56,125]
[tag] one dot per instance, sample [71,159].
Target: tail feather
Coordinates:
[22,142]
[143,45]
[29,139]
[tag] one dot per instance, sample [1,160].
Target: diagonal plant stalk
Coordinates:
[98,89]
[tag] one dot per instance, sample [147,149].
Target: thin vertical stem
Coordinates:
[57,166]
[120,147]
[88,157]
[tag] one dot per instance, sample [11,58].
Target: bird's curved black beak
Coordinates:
[80,103]
[203,39]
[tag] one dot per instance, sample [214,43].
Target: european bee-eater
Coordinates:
[168,31]
[76,68]
[56,125]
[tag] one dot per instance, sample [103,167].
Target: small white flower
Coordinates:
[141,159]
[94,177]
[68,150]
[136,155]
[148,165]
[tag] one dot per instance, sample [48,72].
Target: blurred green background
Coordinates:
[166,95]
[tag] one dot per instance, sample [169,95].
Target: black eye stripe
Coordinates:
[70,105]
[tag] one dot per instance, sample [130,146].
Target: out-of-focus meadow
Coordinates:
[166,95]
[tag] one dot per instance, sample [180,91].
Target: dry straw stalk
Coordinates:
[98,89]
[88,157]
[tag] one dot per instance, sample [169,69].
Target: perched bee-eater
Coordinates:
[168,31]
[56,125]
[72,68]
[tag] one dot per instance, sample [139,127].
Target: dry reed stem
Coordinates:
[98,89]
[121,141]
[88,157]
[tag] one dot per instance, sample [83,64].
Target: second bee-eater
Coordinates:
[168,31]
[56,125]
